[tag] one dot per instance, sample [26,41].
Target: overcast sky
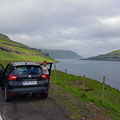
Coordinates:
[88,27]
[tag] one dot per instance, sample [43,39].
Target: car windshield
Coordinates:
[23,70]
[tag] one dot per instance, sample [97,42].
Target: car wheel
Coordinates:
[8,98]
[44,95]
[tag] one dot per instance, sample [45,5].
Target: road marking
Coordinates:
[1,117]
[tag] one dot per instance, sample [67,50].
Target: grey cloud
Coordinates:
[65,24]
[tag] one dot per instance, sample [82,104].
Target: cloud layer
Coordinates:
[89,27]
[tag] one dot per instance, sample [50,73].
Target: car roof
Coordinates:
[23,63]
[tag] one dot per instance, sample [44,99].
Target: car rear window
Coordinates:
[24,70]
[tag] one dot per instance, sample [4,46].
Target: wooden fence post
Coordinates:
[84,83]
[84,76]
[55,70]
[103,88]
[66,71]
[65,74]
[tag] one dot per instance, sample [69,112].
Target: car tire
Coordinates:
[44,95]
[8,98]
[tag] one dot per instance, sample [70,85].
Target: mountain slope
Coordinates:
[14,51]
[62,54]
[111,56]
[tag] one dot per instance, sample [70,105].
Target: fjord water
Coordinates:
[93,69]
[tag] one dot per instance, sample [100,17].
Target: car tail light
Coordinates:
[11,93]
[46,91]
[44,76]
[12,77]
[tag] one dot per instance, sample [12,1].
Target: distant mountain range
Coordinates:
[62,54]
[111,56]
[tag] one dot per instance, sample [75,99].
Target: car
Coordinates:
[24,78]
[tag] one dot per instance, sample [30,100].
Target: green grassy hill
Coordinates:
[14,51]
[111,56]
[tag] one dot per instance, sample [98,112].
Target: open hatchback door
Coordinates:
[49,64]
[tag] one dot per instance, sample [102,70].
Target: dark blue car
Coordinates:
[24,78]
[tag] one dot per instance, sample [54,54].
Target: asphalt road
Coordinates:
[31,108]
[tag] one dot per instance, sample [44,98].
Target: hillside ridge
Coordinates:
[63,54]
[11,50]
[110,56]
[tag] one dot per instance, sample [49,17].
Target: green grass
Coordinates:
[87,91]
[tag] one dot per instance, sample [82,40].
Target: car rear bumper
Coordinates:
[18,91]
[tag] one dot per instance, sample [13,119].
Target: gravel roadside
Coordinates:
[31,108]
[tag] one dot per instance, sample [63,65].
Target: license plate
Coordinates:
[30,83]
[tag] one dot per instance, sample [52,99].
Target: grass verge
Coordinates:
[77,92]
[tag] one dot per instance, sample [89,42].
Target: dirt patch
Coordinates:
[98,113]
[82,84]
[77,82]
